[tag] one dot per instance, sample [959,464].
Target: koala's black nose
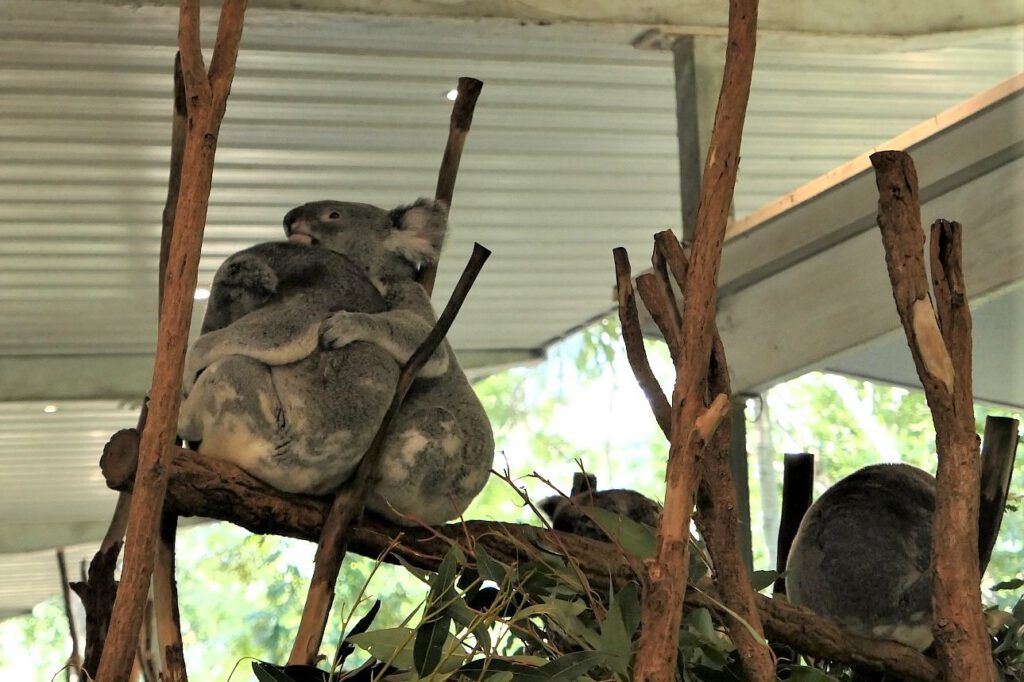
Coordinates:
[289,218]
[292,217]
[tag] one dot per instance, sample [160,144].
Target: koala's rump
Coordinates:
[333,402]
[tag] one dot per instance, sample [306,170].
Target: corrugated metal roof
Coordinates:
[573,152]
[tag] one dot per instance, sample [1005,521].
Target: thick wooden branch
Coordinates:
[998,452]
[211,488]
[467,93]
[205,104]
[350,501]
[658,300]
[719,526]
[943,364]
[629,321]
[663,590]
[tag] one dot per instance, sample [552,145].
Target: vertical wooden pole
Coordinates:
[206,99]
[468,92]
[692,422]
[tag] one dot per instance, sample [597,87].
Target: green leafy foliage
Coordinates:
[241,595]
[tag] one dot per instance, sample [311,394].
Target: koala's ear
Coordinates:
[549,505]
[419,232]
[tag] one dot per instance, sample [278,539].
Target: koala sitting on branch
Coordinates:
[300,353]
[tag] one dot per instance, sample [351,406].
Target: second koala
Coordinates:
[300,353]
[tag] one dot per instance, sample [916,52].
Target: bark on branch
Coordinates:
[665,585]
[941,348]
[206,100]
[211,488]
[467,93]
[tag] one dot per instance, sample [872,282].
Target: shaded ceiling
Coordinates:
[573,152]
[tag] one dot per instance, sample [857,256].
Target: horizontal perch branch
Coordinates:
[211,488]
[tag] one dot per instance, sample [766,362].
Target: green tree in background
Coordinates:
[242,595]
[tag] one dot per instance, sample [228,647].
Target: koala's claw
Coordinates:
[339,330]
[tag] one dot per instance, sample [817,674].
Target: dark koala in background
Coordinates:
[862,554]
[568,513]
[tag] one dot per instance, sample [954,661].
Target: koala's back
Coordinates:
[862,554]
[569,514]
[317,279]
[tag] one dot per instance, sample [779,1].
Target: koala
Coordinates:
[567,513]
[300,354]
[862,554]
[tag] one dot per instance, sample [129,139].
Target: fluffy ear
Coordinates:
[550,505]
[419,232]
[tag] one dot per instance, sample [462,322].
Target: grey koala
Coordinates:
[862,554]
[300,354]
[567,513]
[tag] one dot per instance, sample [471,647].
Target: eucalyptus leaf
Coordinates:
[488,566]
[428,649]
[346,647]
[498,669]
[1014,584]
[392,645]
[636,538]
[552,607]
[468,619]
[628,600]
[571,666]
[267,672]
[614,637]
[762,579]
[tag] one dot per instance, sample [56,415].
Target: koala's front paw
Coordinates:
[193,368]
[197,359]
[343,328]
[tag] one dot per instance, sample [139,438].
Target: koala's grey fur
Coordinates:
[300,353]
[862,554]
[568,513]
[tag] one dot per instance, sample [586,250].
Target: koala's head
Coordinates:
[389,245]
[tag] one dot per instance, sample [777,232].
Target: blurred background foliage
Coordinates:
[241,595]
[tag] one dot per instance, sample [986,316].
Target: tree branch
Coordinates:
[467,93]
[174,320]
[663,591]
[211,488]
[943,364]
[632,335]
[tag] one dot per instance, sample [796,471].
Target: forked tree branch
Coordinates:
[943,361]
[665,586]
[206,101]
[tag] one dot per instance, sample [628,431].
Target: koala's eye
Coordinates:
[334,215]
